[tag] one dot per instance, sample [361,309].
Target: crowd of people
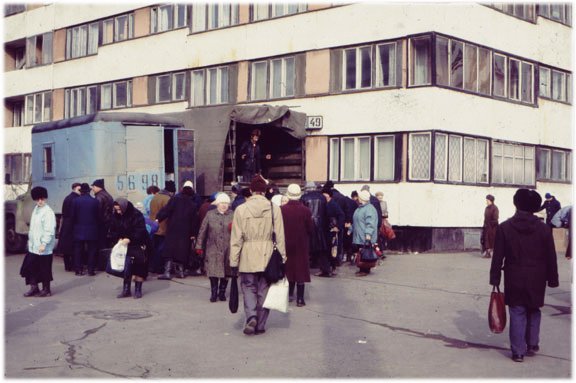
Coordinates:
[178,234]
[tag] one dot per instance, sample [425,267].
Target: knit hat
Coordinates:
[490,197]
[258,184]
[293,192]
[364,195]
[99,183]
[365,187]
[221,198]
[84,188]
[39,192]
[170,186]
[548,195]
[527,200]
[188,184]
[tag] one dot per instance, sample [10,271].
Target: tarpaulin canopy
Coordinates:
[211,126]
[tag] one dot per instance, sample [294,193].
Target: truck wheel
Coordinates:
[14,242]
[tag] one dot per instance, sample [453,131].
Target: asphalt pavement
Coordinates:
[415,316]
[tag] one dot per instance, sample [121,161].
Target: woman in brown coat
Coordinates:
[214,240]
[298,228]
[490,225]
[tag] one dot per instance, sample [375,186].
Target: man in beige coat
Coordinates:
[250,250]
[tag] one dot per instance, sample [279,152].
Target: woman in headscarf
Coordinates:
[214,241]
[128,226]
[365,230]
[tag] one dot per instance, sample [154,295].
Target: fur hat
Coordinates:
[39,192]
[99,183]
[258,184]
[293,192]
[364,196]
[527,200]
[221,198]
[490,197]
[170,186]
[84,188]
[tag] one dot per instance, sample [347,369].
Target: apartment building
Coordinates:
[436,105]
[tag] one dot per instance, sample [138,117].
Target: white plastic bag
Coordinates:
[118,257]
[277,297]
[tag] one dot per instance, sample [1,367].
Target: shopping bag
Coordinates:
[277,296]
[118,257]
[497,311]
[233,301]
[386,230]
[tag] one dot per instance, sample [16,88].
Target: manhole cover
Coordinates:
[116,314]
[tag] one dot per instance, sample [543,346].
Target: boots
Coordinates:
[213,289]
[137,290]
[125,290]
[291,286]
[300,295]
[222,289]
[167,268]
[180,271]
[33,291]
[45,290]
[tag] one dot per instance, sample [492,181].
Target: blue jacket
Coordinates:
[42,230]
[365,222]
[85,218]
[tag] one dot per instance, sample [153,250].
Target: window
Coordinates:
[171,87]
[118,28]
[419,156]
[355,159]
[48,160]
[17,168]
[80,101]
[357,68]
[460,158]
[555,84]
[210,86]
[222,15]
[384,158]
[263,11]
[116,95]
[12,9]
[512,164]
[561,12]
[38,107]
[545,82]
[454,158]
[168,17]
[500,75]
[420,61]
[18,112]
[334,158]
[558,86]
[82,40]
[386,64]
[273,78]
[519,10]
[553,164]
[39,50]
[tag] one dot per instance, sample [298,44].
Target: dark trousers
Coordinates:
[524,328]
[326,262]
[68,261]
[157,263]
[254,289]
[89,248]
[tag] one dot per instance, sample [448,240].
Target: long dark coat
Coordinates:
[316,202]
[214,239]
[526,248]
[85,221]
[490,224]
[65,237]
[298,228]
[182,225]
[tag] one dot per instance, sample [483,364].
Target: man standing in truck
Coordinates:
[250,157]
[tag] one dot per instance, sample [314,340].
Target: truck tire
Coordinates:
[14,243]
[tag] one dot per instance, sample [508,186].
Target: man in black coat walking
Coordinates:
[85,221]
[66,236]
[552,205]
[525,247]
[106,203]
[316,202]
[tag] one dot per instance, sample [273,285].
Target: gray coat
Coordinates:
[214,239]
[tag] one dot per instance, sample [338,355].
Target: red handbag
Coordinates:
[497,311]
[386,230]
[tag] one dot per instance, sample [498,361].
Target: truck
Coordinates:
[132,151]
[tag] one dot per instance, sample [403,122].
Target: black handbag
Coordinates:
[274,270]
[233,301]
[126,273]
[367,253]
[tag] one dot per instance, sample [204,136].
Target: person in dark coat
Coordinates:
[336,220]
[86,224]
[250,157]
[65,235]
[525,247]
[182,213]
[128,226]
[315,201]
[241,198]
[105,202]
[490,224]
[298,229]
[552,205]
[160,200]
